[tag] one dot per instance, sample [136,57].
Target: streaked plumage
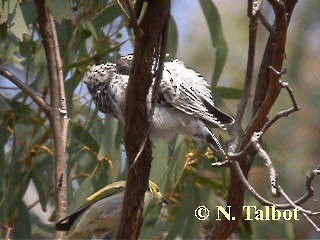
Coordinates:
[184,104]
[100,215]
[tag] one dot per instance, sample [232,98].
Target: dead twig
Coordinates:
[264,201]
[284,113]
[304,214]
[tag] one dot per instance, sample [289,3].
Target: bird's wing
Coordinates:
[186,90]
[107,191]
[189,92]
[66,223]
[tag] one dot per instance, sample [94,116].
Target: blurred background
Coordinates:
[96,31]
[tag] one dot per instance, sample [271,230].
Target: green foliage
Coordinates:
[218,41]
[88,33]
[91,32]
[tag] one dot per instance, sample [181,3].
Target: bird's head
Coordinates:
[153,194]
[99,74]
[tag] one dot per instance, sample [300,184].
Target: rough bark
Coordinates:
[136,117]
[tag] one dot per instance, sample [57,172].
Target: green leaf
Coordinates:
[84,137]
[175,167]
[41,70]
[218,41]
[29,12]
[228,92]
[88,26]
[160,162]
[111,143]
[39,185]
[22,229]
[12,14]
[172,38]
[106,16]
[60,9]
[85,190]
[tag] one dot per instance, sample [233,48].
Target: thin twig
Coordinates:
[8,230]
[244,152]
[265,22]
[265,156]
[27,90]
[122,8]
[284,113]
[225,163]
[248,80]
[138,8]
[257,196]
[133,20]
[305,214]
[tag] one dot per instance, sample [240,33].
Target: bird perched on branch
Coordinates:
[100,215]
[184,103]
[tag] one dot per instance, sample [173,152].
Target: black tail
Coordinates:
[219,114]
[66,223]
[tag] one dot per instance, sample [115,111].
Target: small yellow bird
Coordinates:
[100,215]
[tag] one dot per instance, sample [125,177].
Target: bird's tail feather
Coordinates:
[214,145]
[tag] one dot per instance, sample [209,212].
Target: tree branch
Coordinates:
[8,230]
[62,94]
[49,35]
[133,20]
[27,90]
[263,101]
[136,117]
[253,26]
[265,22]
[158,67]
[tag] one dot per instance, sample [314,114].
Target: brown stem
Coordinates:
[136,117]
[156,84]
[244,181]
[248,80]
[8,230]
[133,20]
[62,94]
[267,91]
[48,33]
[265,22]
[27,90]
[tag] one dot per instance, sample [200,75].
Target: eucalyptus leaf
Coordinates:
[228,92]
[60,9]
[218,41]
[22,229]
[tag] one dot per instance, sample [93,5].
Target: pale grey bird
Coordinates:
[184,104]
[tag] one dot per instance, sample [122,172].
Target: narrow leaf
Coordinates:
[212,16]
[228,92]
